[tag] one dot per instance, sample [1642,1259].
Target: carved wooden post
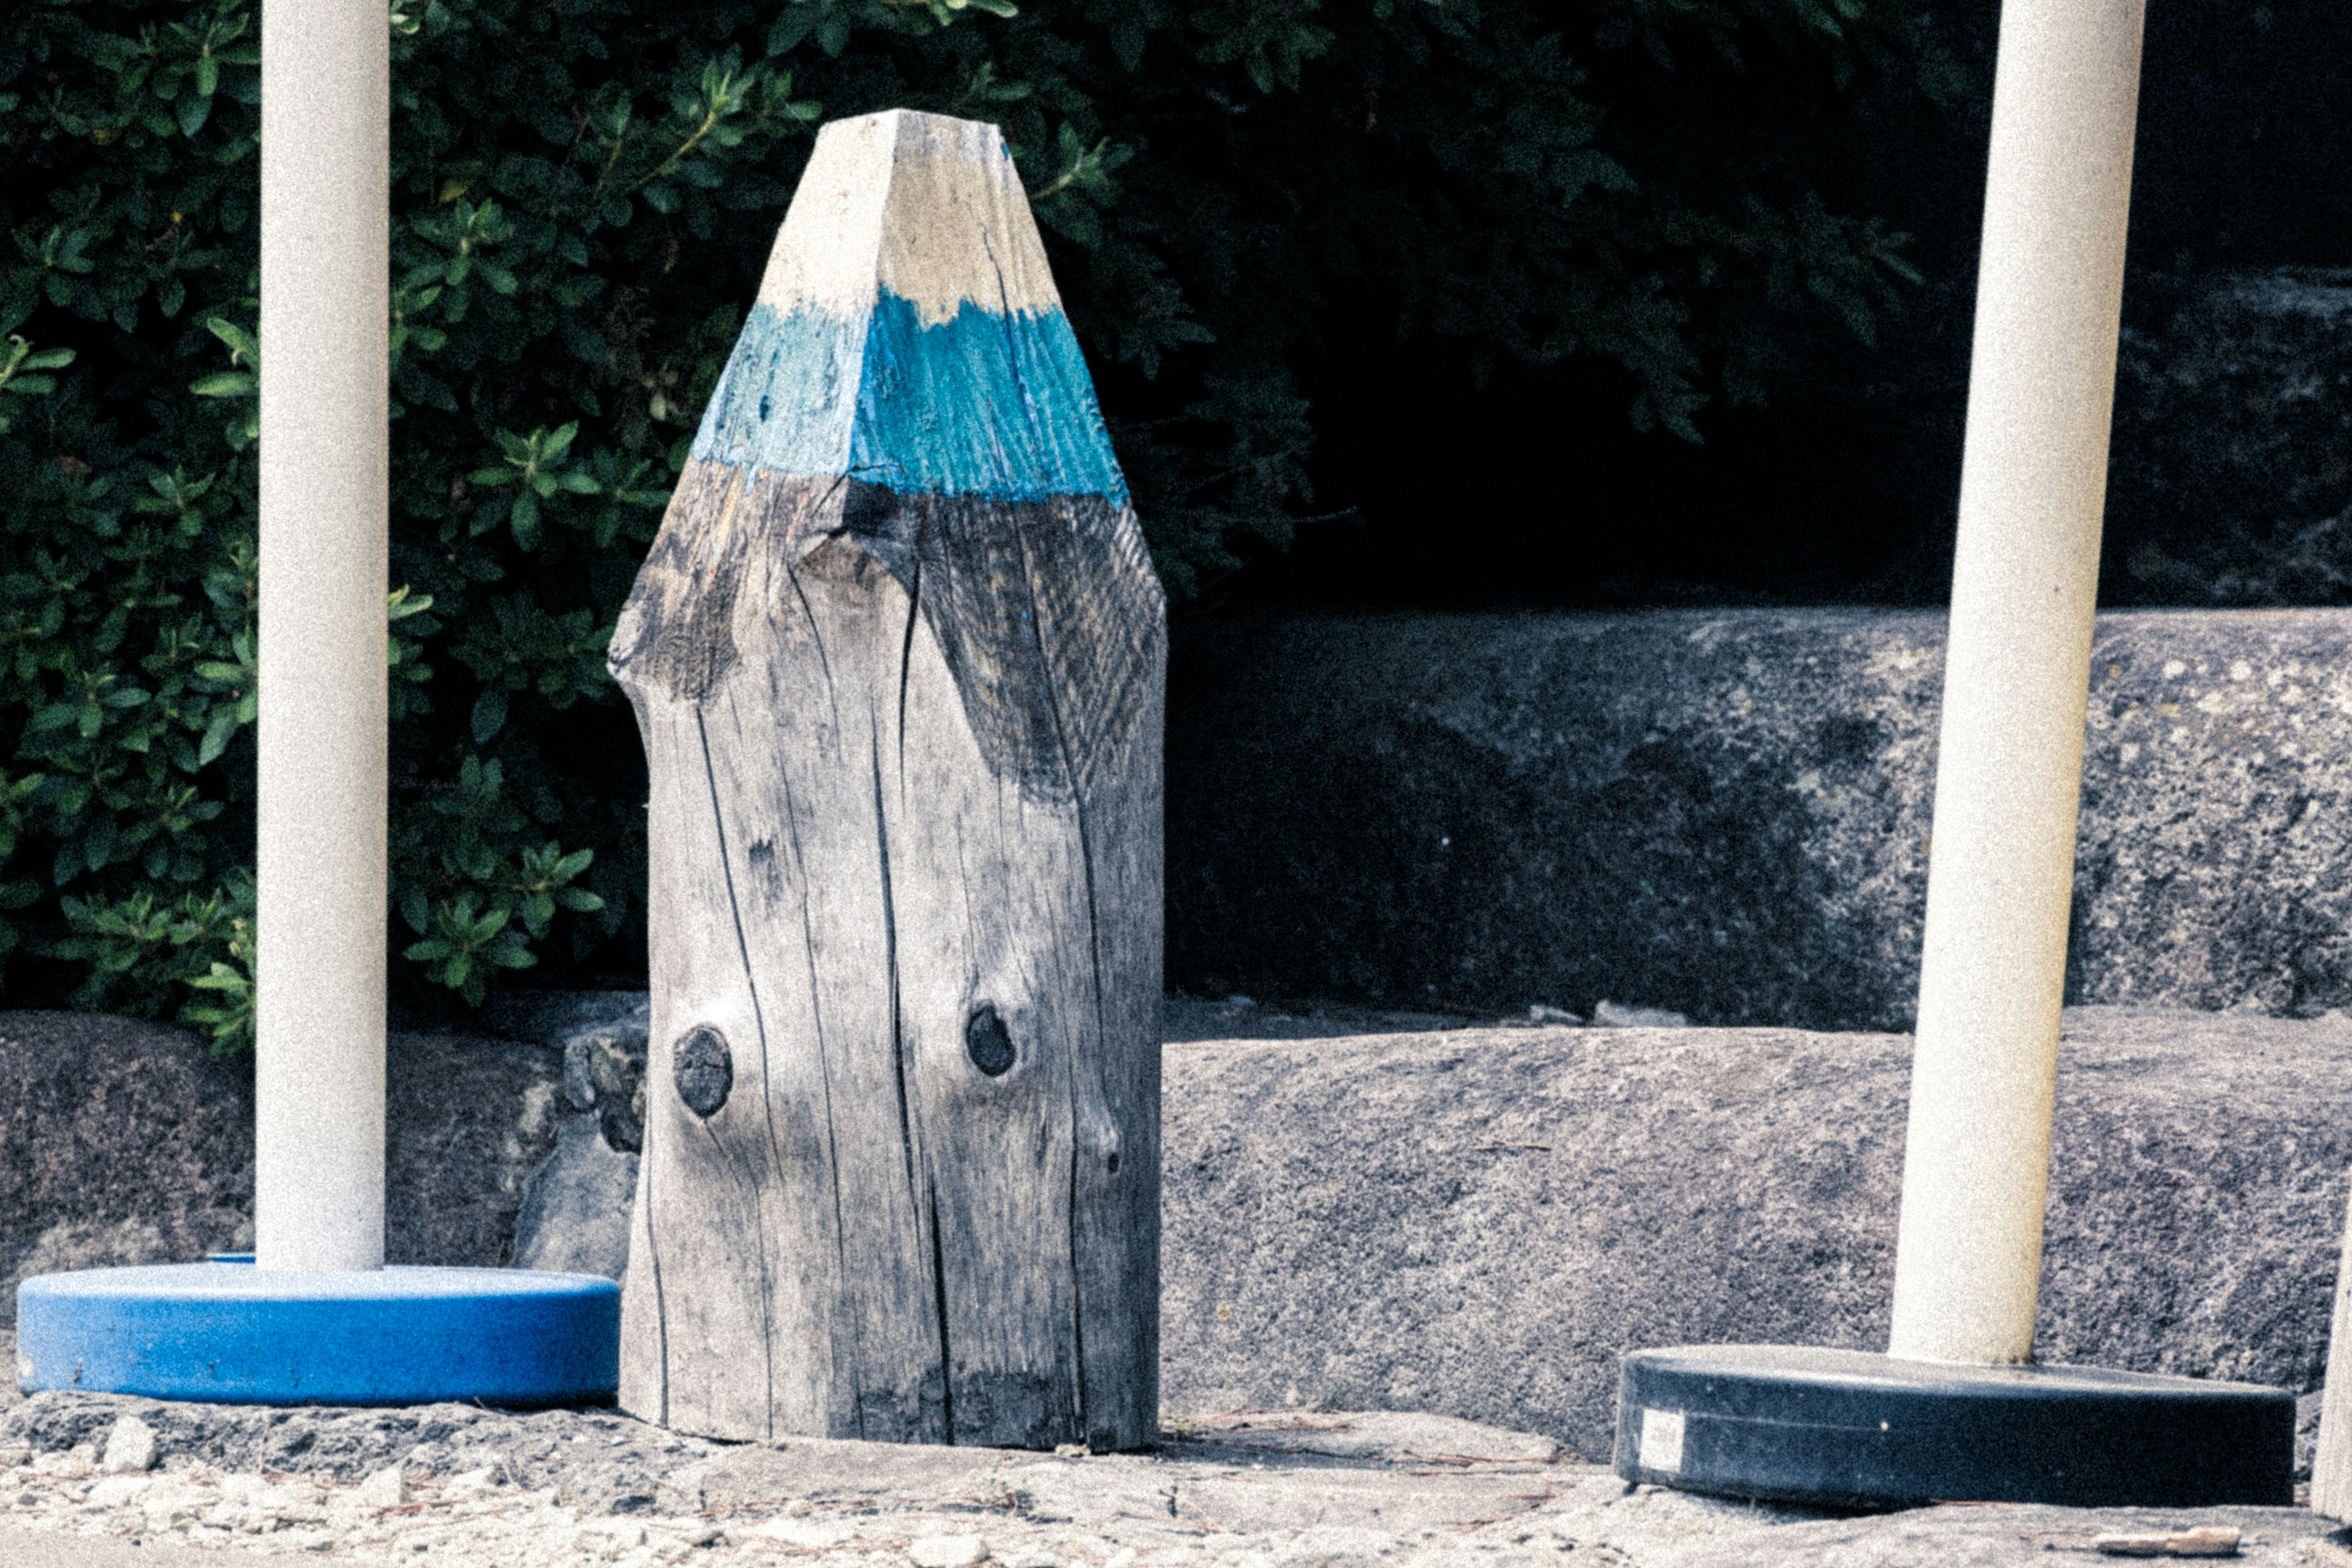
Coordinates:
[898,656]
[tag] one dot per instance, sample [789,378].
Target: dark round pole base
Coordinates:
[1850,1429]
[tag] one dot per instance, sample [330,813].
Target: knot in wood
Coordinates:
[987,1042]
[703,1068]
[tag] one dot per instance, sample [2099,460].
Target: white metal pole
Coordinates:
[325,306]
[2008,770]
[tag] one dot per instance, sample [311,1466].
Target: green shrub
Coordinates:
[584,192]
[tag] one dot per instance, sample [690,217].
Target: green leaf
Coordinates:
[242,344]
[525,517]
[490,713]
[218,730]
[792,26]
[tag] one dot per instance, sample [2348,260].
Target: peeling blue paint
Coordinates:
[990,404]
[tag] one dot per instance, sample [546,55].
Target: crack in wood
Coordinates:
[920,866]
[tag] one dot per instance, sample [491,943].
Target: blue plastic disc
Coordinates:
[235,1334]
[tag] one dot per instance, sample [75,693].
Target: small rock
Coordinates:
[605,1069]
[947,1551]
[1032,1558]
[1241,1003]
[131,1448]
[1538,1013]
[1608,1014]
[15,1454]
[579,1084]
[472,1483]
[808,1536]
[116,1490]
[388,1488]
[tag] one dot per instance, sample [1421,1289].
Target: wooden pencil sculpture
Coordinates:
[898,659]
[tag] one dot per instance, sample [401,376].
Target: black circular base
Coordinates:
[1847,1428]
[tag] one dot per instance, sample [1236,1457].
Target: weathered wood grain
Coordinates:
[900,1177]
[2331,1462]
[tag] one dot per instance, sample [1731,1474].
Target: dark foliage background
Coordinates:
[1466,280]
[1844,485]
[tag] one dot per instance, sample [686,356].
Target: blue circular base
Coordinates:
[231,1333]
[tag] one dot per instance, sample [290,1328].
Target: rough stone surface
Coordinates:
[575,1207]
[467,1121]
[2234,420]
[543,1016]
[1726,813]
[119,1142]
[126,1142]
[1608,1015]
[1480,1222]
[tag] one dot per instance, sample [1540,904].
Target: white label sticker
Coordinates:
[1662,1441]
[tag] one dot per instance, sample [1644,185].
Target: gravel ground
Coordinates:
[459,1485]
[451,1484]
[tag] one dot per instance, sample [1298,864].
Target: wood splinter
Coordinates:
[898,656]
